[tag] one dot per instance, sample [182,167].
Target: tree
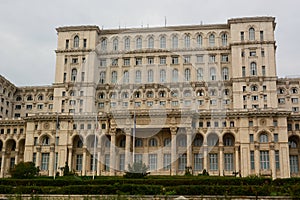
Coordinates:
[137,170]
[24,170]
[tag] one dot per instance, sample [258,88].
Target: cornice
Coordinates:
[252,43]
[79,28]
[73,50]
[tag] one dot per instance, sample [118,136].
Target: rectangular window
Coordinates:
[138,158]
[74,60]
[213,162]
[294,164]
[182,160]
[84,43]
[167,161]
[175,60]
[152,162]
[262,53]
[103,63]
[295,109]
[225,58]
[200,59]
[252,163]
[254,98]
[114,61]
[250,123]
[281,100]
[242,36]
[79,162]
[67,44]
[162,60]
[107,162]
[34,158]
[252,53]
[243,71]
[138,61]
[261,34]
[263,70]
[198,162]
[264,160]
[45,161]
[126,61]
[294,100]
[187,59]
[275,137]
[150,61]
[212,58]
[251,138]
[12,163]
[277,161]
[228,162]
[122,162]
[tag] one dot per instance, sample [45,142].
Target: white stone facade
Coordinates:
[199,96]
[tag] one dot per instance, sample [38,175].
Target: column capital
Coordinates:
[38,149]
[52,149]
[173,130]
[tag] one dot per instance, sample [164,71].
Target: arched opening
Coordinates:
[212,140]
[198,140]
[228,140]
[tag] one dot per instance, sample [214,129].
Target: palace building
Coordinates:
[174,97]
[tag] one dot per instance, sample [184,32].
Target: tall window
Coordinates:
[102,77]
[277,160]
[252,161]
[225,74]
[199,40]
[162,76]
[122,162]
[73,74]
[152,162]
[114,77]
[174,42]
[294,164]
[76,42]
[264,160]
[261,35]
[243,71]
[45,161]
[107,162]
[138,76]
[115,44]
[138,43]
[103,44]
[263,70]
[163,42]
[198,162]
[175,75]
[92,166]
[212,72]
[187,74]
[67,44]
[224,39]
[253,69]
[211,40]
[213,162]
[200,74]
[182,160]
[263,138]
[228,161]
[152,142]
[167,161]
[126,77]
[138,158]
[187,41]
[127,44]
[251,34]
[150,76]
[151,43]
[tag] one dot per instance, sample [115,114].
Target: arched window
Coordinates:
[174,42]
[40,97]
[152,142]
[199,40]
[162,94]
[212,140]
[101,95]
[167,142]
[187,74]
[19,98]
[150,94]
[138,142]
[73,74]
[251,34]
[126,77]
[151,43]
[163,42]
[175,75]
[76,42]
[225,73]
[162,75]
[187,41]
[137,94]
[182,141]
[125,95]
[200,93]
[115,44]
[79,144]
[228,140]
[72,93]
[138,76]
[150,76]
[292,143]
[213,75]
[200,74]
[29,98]
[253,69]
[127,44]
[114,77]
[174,93]
[198,141]
[211,40]
[138,43]
[263,138]
[103,44]
[45,141]
[224,39]
[254,88]
[294,91]
[213,92]
[122,142]
[102,77]
[187,93]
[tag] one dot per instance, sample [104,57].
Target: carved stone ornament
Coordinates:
[46,126]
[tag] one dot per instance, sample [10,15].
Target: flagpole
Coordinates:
[133,137]
[94,154]
[56,130]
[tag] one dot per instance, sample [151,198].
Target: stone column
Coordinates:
[173,151]
[189,152]
[38,157]
[16,156]
[70,157]
[98,163]
[84,163]
[2,164]
[51,161]
[112,153]
[127,149]
[272,160]
[221,160]
[237,159]
[256,159]
[205,155]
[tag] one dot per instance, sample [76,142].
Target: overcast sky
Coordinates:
[28,36]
